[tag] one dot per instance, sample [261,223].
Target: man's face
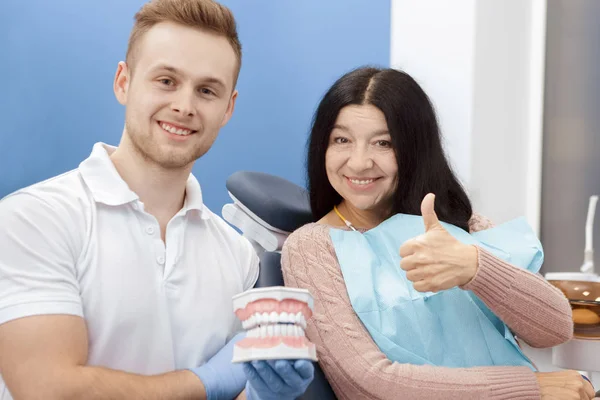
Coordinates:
[179,93]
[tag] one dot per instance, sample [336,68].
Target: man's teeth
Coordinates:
[362,182]
[174,130]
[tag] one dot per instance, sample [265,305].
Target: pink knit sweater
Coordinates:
[536,312]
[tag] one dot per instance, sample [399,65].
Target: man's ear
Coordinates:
[121,83]
[230,108]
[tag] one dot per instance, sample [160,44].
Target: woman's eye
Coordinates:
[340,140]
[384,143]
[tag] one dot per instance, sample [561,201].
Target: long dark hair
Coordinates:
[413,126]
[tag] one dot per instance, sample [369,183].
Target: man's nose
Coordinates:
[184,104]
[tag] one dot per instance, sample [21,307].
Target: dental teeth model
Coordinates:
[275,320]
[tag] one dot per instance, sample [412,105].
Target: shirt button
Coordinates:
[160,260]
[149,230]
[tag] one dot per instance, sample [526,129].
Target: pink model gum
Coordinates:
[272,305]
[275,341]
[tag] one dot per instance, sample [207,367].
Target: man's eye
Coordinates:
[207,91]
[166,82]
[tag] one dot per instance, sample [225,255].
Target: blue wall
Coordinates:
[59,60]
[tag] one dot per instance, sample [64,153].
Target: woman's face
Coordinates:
[360,161]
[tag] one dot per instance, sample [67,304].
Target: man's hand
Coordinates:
[278,379]
[221,378]
[437,261]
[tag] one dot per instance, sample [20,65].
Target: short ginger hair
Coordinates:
[200,14]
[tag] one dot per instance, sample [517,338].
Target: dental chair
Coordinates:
[266,209]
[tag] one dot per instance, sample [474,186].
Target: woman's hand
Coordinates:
[437,261]
[564,385]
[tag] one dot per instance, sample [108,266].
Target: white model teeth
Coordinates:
[172,129]
[274,318]
[361,182]
[276,330]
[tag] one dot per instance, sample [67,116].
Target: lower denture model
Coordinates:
[275,320]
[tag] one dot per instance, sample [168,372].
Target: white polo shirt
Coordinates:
[82,244]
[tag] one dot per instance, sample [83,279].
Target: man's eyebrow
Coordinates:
[215,80]
[166,68]
[209,79]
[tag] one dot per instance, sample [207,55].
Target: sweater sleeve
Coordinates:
[537,312]
[350,359]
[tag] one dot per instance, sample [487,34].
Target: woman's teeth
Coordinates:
[362,182]
[176,131]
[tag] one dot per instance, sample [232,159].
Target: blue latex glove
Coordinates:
[278,379]
[222,379]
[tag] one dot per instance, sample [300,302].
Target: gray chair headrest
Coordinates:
[277,201]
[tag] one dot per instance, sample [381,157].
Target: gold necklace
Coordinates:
[348,223]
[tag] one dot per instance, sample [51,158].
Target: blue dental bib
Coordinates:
[451,328]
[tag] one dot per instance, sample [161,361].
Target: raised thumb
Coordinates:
[430,218]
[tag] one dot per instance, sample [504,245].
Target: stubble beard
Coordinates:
[148,148]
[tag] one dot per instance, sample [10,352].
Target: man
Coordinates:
[115,279]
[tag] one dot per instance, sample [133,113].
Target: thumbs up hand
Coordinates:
[435,260]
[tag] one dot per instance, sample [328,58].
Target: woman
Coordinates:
[375,151]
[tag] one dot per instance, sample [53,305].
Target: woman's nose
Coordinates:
[360,160]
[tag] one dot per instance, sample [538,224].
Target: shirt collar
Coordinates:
[107,186]
[193,197]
